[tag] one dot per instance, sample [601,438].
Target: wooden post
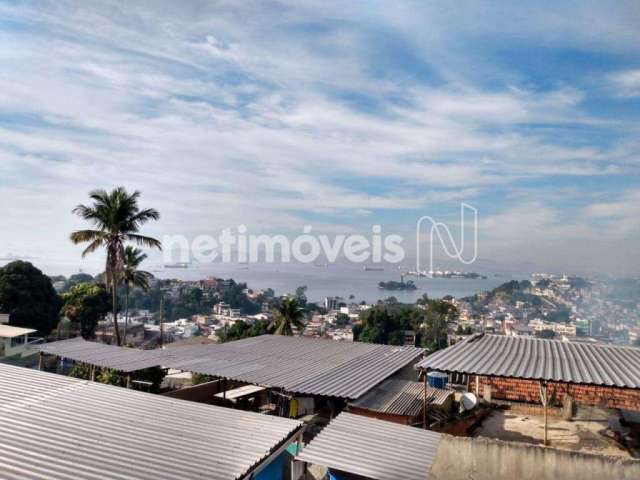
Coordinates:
[93,373]
[478,386]
[545,401]
[40,361]
[129,380]
[224,388]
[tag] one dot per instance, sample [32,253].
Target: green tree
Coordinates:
[132,277]
[155,375]
[29,298]
[438,315]
[546,334]
[117,219]
[84,305]
[77,278]
[342,319]
[241,329]
[288,315]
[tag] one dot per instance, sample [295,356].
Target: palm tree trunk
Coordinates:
[126,310]
[116,330]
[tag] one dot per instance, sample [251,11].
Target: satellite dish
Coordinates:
[468,401]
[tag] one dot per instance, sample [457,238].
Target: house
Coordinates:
[515,369]
[14,341]
[353,447]
[71,428]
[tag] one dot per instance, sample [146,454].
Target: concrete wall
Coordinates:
[460,458]
[529,391]
[19,349]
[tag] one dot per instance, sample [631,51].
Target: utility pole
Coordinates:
[424,405]
[161,319]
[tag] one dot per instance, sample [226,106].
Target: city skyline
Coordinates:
[279,115]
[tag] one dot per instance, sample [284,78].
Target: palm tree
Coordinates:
[287,316]
[117,219]
[132,277]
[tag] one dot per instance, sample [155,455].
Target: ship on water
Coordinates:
[177,265]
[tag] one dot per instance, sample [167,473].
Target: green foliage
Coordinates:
[546,334]
[74,279]
[28,296]
[234,295]
[287,316]
[438,315]
[241,329]
[386,324]
[357,331]
[342,319]
[464,330]
[198,378]
[562,315]
[84,305]
[108,376]
[155,375]
[131,275]
[116,219]
[81,370]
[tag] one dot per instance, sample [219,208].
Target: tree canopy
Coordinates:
[84,305]
[28,296]
[116,219]
[287,316]
[242,329]
[386,323]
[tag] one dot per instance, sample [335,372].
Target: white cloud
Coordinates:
[226,113]
[627,83]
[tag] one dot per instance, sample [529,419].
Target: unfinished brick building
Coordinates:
[516,367]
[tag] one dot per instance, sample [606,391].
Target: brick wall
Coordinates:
[529,391]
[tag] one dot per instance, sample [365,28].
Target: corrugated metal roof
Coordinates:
[300,365]
[9,331]
[61,428]
[400,397]
[102,355]
[540,359]
[373,448]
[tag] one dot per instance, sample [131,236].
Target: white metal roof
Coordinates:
[8,331]
[123,359]
[61,428]
[400,397]
[373,448]
[534,358]
[309,366]
[240,392]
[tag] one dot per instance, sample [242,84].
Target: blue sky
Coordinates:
[339,115]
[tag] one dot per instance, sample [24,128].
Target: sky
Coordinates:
[338,115]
